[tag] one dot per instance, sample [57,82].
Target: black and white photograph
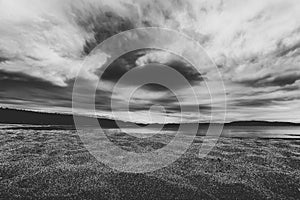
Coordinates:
[149,99]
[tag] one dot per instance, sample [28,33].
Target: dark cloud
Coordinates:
[25,88]
[187,70]
[283,50]
[3,59]
[293,87]
[153,72]
[13,80]
[21,89]
[102,23]
[121,65]
[263,102]
[280,80]
[128,61]
[283,80]
[154,87]
[253,103]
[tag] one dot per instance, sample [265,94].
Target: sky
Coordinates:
[255,45]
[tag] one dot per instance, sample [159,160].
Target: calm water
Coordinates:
[262,132]
[280,132]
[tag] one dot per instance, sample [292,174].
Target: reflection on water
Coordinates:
[281,132]
[286,132]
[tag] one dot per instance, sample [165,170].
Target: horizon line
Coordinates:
[106,118]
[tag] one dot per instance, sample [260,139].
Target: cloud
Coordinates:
[25,91]
[145,61]
[254,43]
[173,61]
[50,39]
[271,78]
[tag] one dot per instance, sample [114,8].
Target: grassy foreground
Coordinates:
[54,164]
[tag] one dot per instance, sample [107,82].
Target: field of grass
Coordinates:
[54,164]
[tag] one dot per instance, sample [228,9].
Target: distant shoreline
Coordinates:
[16,116]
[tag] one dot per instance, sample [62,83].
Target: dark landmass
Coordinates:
[261,123]
[16,116]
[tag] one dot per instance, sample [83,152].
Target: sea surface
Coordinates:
[52,162]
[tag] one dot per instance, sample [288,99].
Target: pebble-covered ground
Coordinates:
[54,164]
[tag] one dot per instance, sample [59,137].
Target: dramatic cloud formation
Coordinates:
[254,43]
